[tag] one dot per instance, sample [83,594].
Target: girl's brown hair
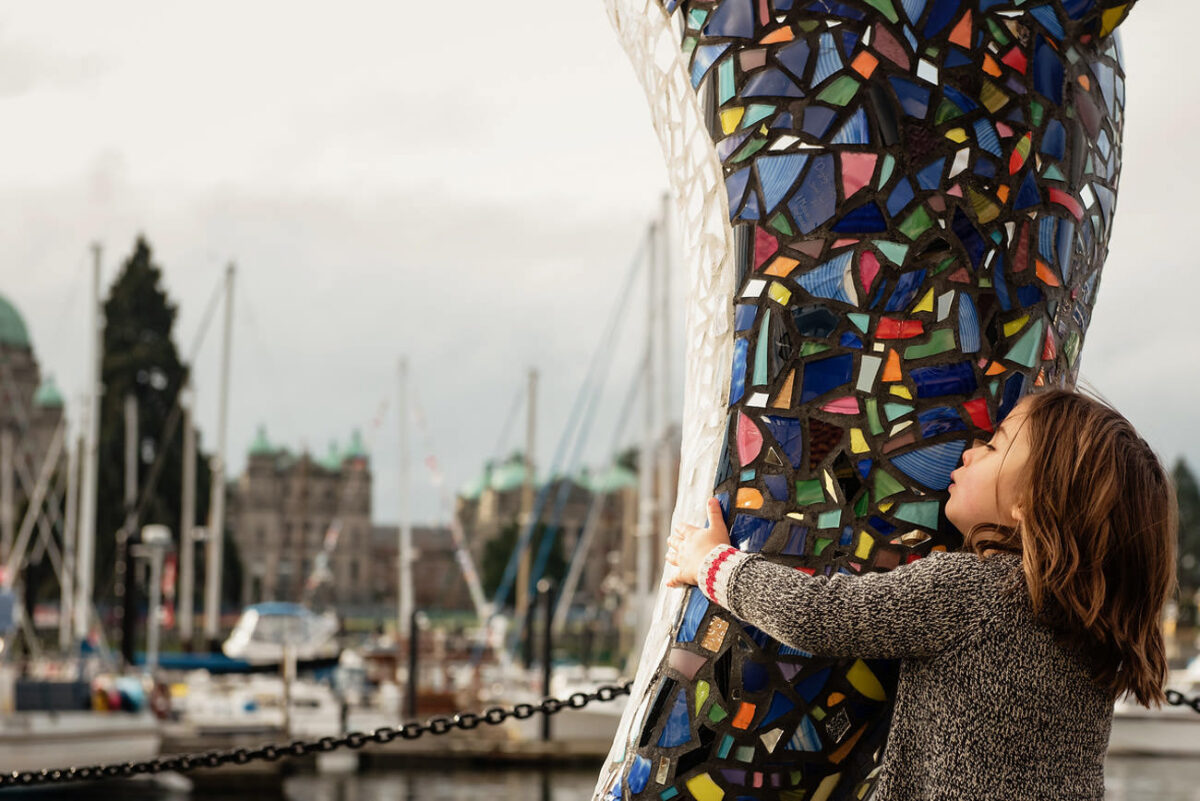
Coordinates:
[1097,540]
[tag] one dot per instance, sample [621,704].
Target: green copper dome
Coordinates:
[333,459]
[613,479]
[47,395]
[12,327]
[261,445]
[356,449]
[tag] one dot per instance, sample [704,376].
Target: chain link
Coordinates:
[355,740]
[273,751]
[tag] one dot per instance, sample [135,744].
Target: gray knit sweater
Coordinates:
[989,705]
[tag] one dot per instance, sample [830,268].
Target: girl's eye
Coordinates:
[975,443]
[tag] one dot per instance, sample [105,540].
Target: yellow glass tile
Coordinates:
[715,634]
[1014,326]
[862,679]
[744,715]
[902,391]
[858,443]
[771,739]
[703,788]
[781,266]
[825,788]
[779,293]
[749,498]
[954,135]
[883,507]
[784,399]
[1111,18]
[701,695]
[926,303]
[865,542]
[664,768]
[730,118]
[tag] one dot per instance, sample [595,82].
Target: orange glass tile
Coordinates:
[996,369]
[891,372]
[1002,193]
[845,748]
[834,699]
[1084,82]
[1045,275]
[784,34]
[961,35]
[990,66]
[715,634]
[749,498]
[781,267]
[744,715]
[865,63]
[1050,349]
[784,399]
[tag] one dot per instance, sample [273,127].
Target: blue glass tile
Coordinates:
[969,235]
[957,58]
[796,540]
[836,9]
[782,5]
[810,687]
[863,466]
[1077,8]
[737,387]
[678,729]
[777,175]
[940,420]
[985,135]
[788,433]
[777,487]
[847,537]
[941,15]
[735,188]
[829,60]
[866,219]
[828,279]
[1029,295]
[1054,140]
[849,42]
[805,737]
[743,317]
[794,57]
[639,774]
[944,379]
[968,324]
[754,676]
[1064,240]
[856,131]
[1012,393]
[1047,71]
[914,98]
[771,82]
[1028,195]
[902,195]
[882,526]
[1050,21]
[733,18]
[850,340]
[929,178]
[784,120]
[750,210]
[615,793]
[999,284]
[697,605]
[826,375]
[817,199]
[817,120]
[729,145]
[704,58]
[931,465]
[749,533]
[913,9]
[906,289]
[984,167]
[814,321]
[760,638]
[780,706]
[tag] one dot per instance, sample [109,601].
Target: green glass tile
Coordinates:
[810,348]
[1073,55]
[668,794]
[1028,349]
[749,149]
[860,506]
[1071,348]
[830,519]
[885,173]
[818,713]
[940,341]
[946,111]
[984,282]
[943,265]
[923,513]
[701,695]
[840,92]
[998,32]
[725,87]
[861,321]
[762,349]
[780,224]
[873,416]
[716,714]
[993,386]
[756,112]
[696,17]
[689,44]
[747,475]
[808,492]
[997,237]
[887,8]
[821,544]
[745,753]
[894,251]
[886,485]
[917,223]
[894,410]
[723,748]
[1053,173]
[808,25]
[1036,112]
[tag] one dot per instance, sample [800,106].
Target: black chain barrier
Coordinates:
[355,739]
[298,748]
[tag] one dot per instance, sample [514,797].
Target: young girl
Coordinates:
[1014,649]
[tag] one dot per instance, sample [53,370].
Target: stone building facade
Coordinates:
[283,509]
[438,582]
[31,408]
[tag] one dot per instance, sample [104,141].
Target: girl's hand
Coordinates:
[688,545]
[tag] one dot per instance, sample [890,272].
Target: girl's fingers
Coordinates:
[715,517]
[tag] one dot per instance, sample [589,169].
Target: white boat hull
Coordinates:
[48,740]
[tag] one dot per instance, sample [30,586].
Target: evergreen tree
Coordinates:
[140,357]
[498,550]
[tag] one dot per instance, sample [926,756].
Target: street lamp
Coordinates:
[155,542]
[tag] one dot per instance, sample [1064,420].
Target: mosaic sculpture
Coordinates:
[895,213]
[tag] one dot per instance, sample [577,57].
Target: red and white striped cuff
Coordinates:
[716,570]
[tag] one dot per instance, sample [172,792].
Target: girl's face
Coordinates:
[984,488]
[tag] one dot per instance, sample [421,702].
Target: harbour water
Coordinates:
[1126,779]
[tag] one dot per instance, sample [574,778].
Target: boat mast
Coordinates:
[70,526]
[90,463]
[187,520]
[666,501]
[646,511]
[404,586]
[215,544]
[522,608]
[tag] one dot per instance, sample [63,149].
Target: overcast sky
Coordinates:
[465,185]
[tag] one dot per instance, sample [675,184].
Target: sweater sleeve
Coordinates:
[919,609]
